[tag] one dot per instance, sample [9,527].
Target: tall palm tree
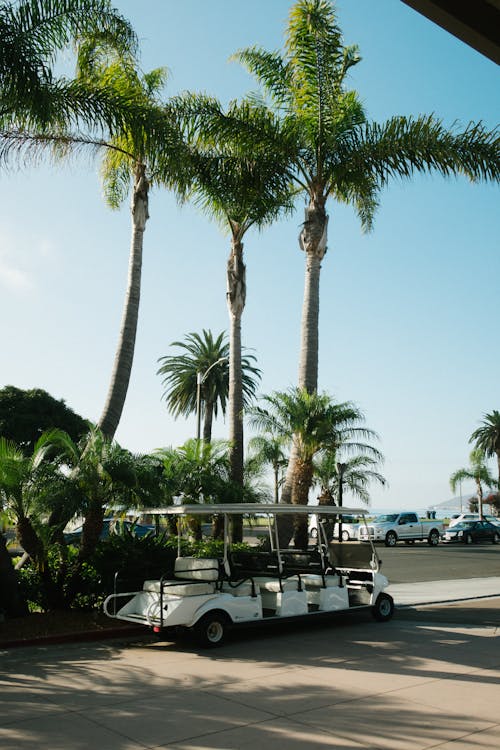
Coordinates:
[32,32]
[487,437]
[330,150]
[150,151]
[207,358]
[477,472]
[240,192]
[316,423]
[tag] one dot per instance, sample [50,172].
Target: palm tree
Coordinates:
[18,490]
[352,474]
[329,150]
[150,151]
[315,423]
[240,193]
[487,437]
[478,472]
[32,32]
[204,358]
[105,474]
[270,450]
[145,148]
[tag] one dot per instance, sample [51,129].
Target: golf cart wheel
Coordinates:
[314,533]
[468,539]
[391,539]
[211,630]
[383,609]
[433,539]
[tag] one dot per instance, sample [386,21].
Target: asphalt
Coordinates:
[428,678]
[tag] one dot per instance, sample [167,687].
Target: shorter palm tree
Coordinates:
[353,474]
[270,450]
[315,423]
[487,437]
[18,491]
[478,472]
[204,358]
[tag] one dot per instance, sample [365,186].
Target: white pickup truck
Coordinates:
[406,527]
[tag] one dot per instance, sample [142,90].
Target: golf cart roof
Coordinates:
[205,509]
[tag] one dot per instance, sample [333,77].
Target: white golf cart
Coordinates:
[210,596]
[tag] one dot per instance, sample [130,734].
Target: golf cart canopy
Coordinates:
[206,509]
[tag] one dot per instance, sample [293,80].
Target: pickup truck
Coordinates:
[394,527]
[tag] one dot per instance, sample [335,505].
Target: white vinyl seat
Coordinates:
[177,588]
[314,580]
[241,589]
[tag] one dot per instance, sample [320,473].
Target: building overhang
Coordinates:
[475,22]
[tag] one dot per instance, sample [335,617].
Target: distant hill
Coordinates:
[455,504]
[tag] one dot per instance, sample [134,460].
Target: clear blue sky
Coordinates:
[408,319]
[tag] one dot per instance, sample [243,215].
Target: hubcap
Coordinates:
[215,632]
[385,607]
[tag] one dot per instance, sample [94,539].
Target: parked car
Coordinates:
[111,526]
[350,527]
[468,532]
[394,527]
[454,520]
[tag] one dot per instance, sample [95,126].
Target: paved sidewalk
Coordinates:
[430,592]
[414,682]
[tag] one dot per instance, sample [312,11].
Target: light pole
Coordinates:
[340,471]
[200,379]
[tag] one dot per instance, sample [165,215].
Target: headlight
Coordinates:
[460,533]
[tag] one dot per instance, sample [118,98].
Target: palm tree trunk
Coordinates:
[30,541]
[312,241]
[479,497]
[301,484]
[236,296]
[12,601]
[207,421]
[122,367]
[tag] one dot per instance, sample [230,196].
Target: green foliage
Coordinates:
[50,588]
[32,33]
[199,353]
[25,415]
[136,559]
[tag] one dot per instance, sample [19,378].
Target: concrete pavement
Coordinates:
[413,682]
[432,592]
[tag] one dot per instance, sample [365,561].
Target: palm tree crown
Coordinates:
[315,423]
[477,472]
[487,437]
[203,354]
[32,32]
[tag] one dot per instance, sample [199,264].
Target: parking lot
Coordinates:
[420,562]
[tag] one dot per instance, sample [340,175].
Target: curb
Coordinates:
[90,635]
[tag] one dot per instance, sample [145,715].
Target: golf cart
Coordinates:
[242,587]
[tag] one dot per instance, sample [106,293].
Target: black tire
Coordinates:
[433,538]
[345,536]
[391,539]
[211,630]
[467,539]
[383,609]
